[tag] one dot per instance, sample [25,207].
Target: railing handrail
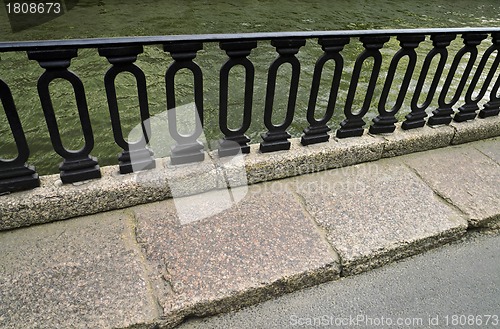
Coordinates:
[151,40]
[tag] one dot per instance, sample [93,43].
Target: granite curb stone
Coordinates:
[416,140]
[54,201]
[470,131]
[301,160]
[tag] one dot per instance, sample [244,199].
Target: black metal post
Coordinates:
[235,141]
[416,118]
[15,174]
[188,148]
[468,110]
[135,156]
[77,165]
[276,138]
[317,132]
[442,115]
[384,122]
[492,108]
[353,124]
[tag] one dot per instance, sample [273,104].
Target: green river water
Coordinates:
[105,18]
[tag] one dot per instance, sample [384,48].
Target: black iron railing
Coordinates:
[55,57]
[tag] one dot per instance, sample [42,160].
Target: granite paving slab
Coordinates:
[237,255]
[465,177]
[490,147]
[81,273]
[374,213]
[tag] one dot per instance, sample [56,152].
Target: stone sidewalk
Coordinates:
[150,266]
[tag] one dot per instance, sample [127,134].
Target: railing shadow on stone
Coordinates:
[78,165]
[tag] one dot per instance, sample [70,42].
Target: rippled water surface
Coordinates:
[106,18]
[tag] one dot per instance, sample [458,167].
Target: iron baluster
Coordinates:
[276,138]
[416,118]
[77,165]
[353,124]
[442,115]
[492,108]
[317,131]
[468,110]
[384,122]
[135,155]
[15,174]
[187,148]
[235,141]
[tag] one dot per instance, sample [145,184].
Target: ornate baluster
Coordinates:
[384,122]
[15,174]
[317,131]
[442,115]
[416,118]
[277,137]
[135,156]
[353,124]
[76,165]
[492,108]
[236,140]
[188,148]
[468,110]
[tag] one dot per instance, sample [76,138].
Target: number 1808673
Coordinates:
[33,8]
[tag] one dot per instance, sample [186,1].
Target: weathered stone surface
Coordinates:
[191,178]
[253,250]
[377,212]
[301,160]
[54,201]
[416,140]
[477,129]
[490,148]
[82,273]
[223,249]
[463,176]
